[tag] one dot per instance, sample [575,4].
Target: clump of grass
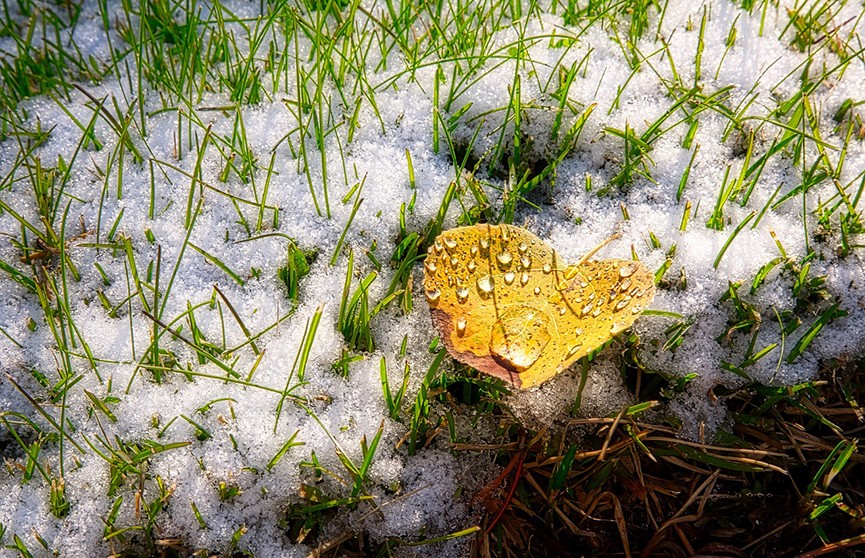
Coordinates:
[295,268]
[41,59]
[354,311]
[784,479]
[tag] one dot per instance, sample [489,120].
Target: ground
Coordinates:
[213,327]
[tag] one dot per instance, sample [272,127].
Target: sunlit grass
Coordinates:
[327,64]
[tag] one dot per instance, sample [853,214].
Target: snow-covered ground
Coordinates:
[429,493]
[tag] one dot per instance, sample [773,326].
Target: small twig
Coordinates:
[597,248]
[834,547]
[519,459]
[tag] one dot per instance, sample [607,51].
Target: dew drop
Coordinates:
[526,262]
[626,284]
[537,290]
[562,310]
[472,266]
[573,350]
[450,243]
[622,304]
[504,259]
[433,296]
[462,294]
[454,261]
[618,327]
[486,284]
[597,312]
[586,309]
[591,296]
[627,270]
[578,332]
[485,243]
[522,247]
[636,309]
[474,250]
[438,245]
[547,268]
[509,278]
[524,278]
[430,265]
[583,284]
[461,326]
[519,337]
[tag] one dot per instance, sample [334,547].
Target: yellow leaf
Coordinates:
[505,303]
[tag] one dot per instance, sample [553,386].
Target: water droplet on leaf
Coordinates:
[627,270]
[486,285]
[504,259]
[518,338]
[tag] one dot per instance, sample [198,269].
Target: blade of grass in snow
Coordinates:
[298,368]
[357,202]
[218,263]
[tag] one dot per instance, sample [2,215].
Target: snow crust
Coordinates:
[427,494]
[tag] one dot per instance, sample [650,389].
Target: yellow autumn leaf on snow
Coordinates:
[505,303]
